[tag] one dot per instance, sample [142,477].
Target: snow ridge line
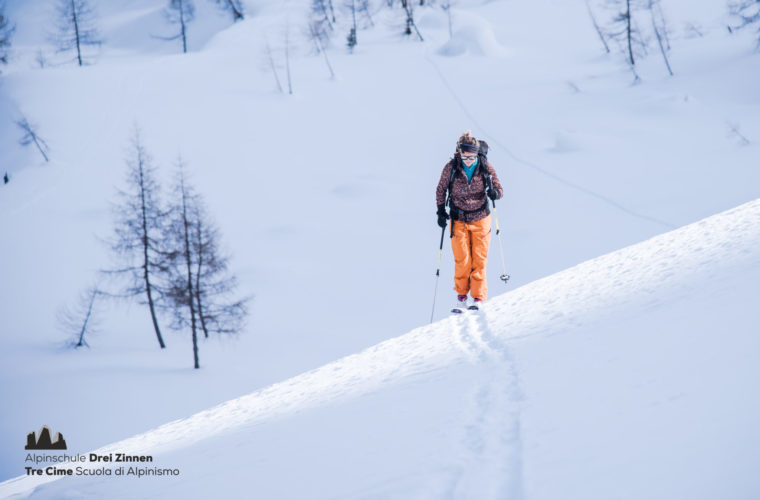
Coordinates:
[643,275]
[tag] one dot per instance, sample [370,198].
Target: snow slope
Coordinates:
[622,377]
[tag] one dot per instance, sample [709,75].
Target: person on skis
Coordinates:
[470,180]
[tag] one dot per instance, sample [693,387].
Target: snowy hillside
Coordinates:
[325,201]
[621,377]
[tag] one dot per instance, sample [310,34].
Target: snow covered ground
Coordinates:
[591,164]
[622,377]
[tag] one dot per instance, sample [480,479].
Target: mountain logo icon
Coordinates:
[44,442]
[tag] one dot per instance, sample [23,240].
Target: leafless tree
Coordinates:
[748,13]
[597,27]
[76,27]
[660,28]
[181,291]
[6,32]
[320,19]
[31,136]
[234,7]
[625,18]
[363,6]
[218,310]
[181,13]
[734,132]
[332,10]
[446,6]
[273,66]
[287,57]
[320,46]
[81,319]
[409,9]
[624,31]
[201,287]
[139,232]
[351,39]
[320,29]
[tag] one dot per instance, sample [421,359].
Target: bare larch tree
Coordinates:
[624,32]
[363,6]
[287,57]
[234,7]
[320,18]
[76,27]
[218,310]
[409,9]
[320,43]
[446,6]
[273,66]
[351,39]
[660,28]
[139,232]
[181,13]
[597,27]
[202,290]
[181,291]
[6,32]
[81,319]
[31,136]
[748,13]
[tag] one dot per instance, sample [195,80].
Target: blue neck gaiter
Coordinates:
[470,170]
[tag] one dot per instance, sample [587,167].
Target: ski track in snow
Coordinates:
[492,450]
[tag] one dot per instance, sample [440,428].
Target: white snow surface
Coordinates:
[608,378]
[629,375]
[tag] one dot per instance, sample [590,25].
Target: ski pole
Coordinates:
[504,276]
[437,272]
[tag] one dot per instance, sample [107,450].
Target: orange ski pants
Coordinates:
[469,243]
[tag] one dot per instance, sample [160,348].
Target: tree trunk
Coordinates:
[659,38]
[146,258]
[190,293]
[36,142]
[236,14]
[198,271]
[597,28]
[628,28]
[274,69]
[287,58]
[332,11]
[87,319]
[182,24]
[75,19]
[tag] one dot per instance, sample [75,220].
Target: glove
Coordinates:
[492,193]
[442,216]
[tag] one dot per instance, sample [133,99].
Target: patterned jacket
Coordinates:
[468,200]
